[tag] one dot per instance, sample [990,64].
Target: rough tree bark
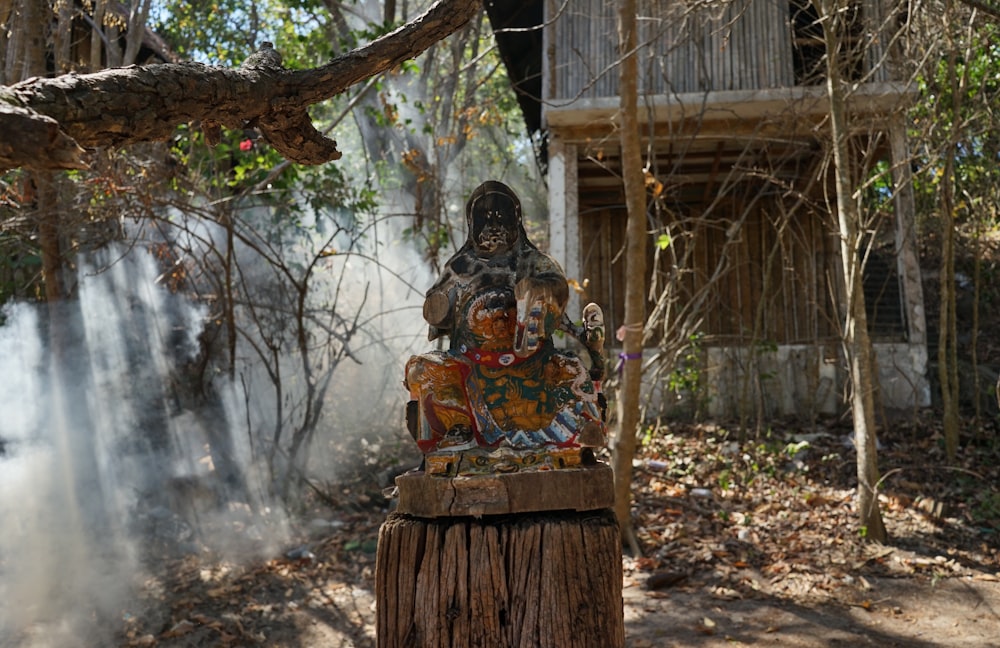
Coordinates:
[635,273]
[42,184]
[46,122]
[948,327]
[857,342]
[546,580]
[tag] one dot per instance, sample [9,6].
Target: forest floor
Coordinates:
[754,545]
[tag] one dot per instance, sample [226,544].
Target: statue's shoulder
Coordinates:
[536,262]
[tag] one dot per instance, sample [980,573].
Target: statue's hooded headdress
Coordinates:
[496,237]
[493,218]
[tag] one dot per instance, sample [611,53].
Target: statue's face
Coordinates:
[495,224]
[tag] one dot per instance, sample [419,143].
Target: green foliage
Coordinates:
[765,348]
[977,153]
[243,167]
[225,32]
[686,376]
[647,436]
[879,188]
[768,458]
[733,465]
[450,110]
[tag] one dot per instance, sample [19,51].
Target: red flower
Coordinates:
[246,145]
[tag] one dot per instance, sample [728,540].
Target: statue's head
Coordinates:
[493,216]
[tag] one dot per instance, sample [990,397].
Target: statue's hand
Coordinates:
[533,303]
[530,327]
[593,325]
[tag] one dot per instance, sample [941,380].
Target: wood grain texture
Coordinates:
[584,489]
[530,580]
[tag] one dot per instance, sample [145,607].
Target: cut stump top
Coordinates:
[581,489]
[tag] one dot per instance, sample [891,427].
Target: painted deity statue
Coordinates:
[503,398]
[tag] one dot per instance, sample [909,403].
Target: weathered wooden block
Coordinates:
[586,488]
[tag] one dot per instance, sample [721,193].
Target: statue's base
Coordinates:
[585,488]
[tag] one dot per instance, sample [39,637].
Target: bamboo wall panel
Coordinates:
[602,241]
[770,278]
[726,45]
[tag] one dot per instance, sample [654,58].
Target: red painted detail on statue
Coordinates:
[493,359]
[465,371]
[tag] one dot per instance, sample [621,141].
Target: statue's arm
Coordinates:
[543,279]
[439,306]
[541,293]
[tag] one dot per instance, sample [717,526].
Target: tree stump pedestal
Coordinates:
[528,559]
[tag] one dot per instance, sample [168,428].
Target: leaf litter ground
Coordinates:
[752,543]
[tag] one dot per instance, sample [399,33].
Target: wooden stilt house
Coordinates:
[746,303]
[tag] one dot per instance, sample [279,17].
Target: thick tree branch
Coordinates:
[125,105]
[29,137]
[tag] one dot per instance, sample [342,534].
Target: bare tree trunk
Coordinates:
[8,39]
[47,202]
[947,349]
[543,579]
[136,30]
[63,41]
[857,344]
[947,333]
[32,54]
[977,276]
[635,273]
[96,35]
[36,16]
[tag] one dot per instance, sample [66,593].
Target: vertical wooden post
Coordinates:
[564,213]
[527,559]
[908,261]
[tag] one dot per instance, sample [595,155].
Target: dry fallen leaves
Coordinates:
[768,524]
[733,524]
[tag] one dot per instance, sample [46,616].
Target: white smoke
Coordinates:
[81,381]
[98,452]
[102,465]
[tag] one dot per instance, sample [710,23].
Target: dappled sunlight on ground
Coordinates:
[743,544]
